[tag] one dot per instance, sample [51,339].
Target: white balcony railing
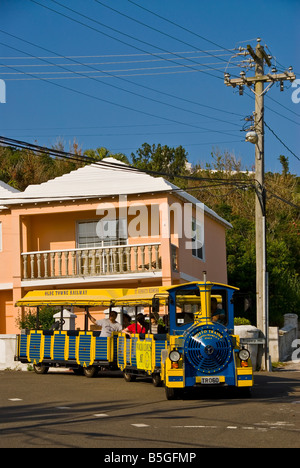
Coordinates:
[98,261]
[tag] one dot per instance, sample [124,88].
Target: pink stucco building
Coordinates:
[104,226]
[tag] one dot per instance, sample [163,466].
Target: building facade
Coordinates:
[104,225]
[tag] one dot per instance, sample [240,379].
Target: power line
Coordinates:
[119,62]
[135,47]
[148,26]
[133,19]
[285,107]
[87,159]
[273,110]
[109,84]
[111,102]
[123,62]
[119,73]
[107,73]
[279,139]
[85,77]
[239,183]
[287,202]
[82,128]
[77,64]
[118,32]
[72,135]
[125,55]
[179,26]
[33,77]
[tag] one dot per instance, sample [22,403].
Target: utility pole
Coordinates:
[259,58]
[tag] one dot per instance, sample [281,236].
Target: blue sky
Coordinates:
[107,80]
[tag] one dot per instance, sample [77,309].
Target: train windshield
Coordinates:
[188,303]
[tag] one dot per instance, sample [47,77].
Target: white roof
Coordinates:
[95,181]
[6,190]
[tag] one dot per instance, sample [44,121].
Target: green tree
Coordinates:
[284,161]
[20,168]
[28,321]
[162,159]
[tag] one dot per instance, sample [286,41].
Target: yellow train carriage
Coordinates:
[83,351]
[140,355]
[198,348]
[78,350]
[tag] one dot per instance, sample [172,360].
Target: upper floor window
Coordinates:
[101,233]
[198,239]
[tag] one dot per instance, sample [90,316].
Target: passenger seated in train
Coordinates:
[139,327]
[126,320]
[156,328]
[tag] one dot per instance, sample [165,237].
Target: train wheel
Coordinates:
[40,369]
[156,380]
[172,393]
[129,377]
[245,392]
[90,371]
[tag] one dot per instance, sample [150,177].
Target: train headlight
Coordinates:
[174,355]
[244,354]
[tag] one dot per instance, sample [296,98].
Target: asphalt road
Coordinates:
[66,411]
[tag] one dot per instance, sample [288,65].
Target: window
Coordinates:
[198,239]
[174,257]
[219,297]
[101,233]
[87,235]
[188,303]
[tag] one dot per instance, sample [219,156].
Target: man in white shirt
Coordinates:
[108,326]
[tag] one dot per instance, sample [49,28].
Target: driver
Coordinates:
[217,315]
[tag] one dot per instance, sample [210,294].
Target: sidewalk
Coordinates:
[290,366]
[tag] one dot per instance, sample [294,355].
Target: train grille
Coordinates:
[208,348]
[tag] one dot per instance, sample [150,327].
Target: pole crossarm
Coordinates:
[261,52]
[248,81]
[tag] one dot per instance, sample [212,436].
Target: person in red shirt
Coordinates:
[138,327]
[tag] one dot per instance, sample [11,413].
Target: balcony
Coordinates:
[91,262]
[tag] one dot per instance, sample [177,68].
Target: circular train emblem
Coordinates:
[208,348]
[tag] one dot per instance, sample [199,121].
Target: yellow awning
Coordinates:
[92,297]
[71,297]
